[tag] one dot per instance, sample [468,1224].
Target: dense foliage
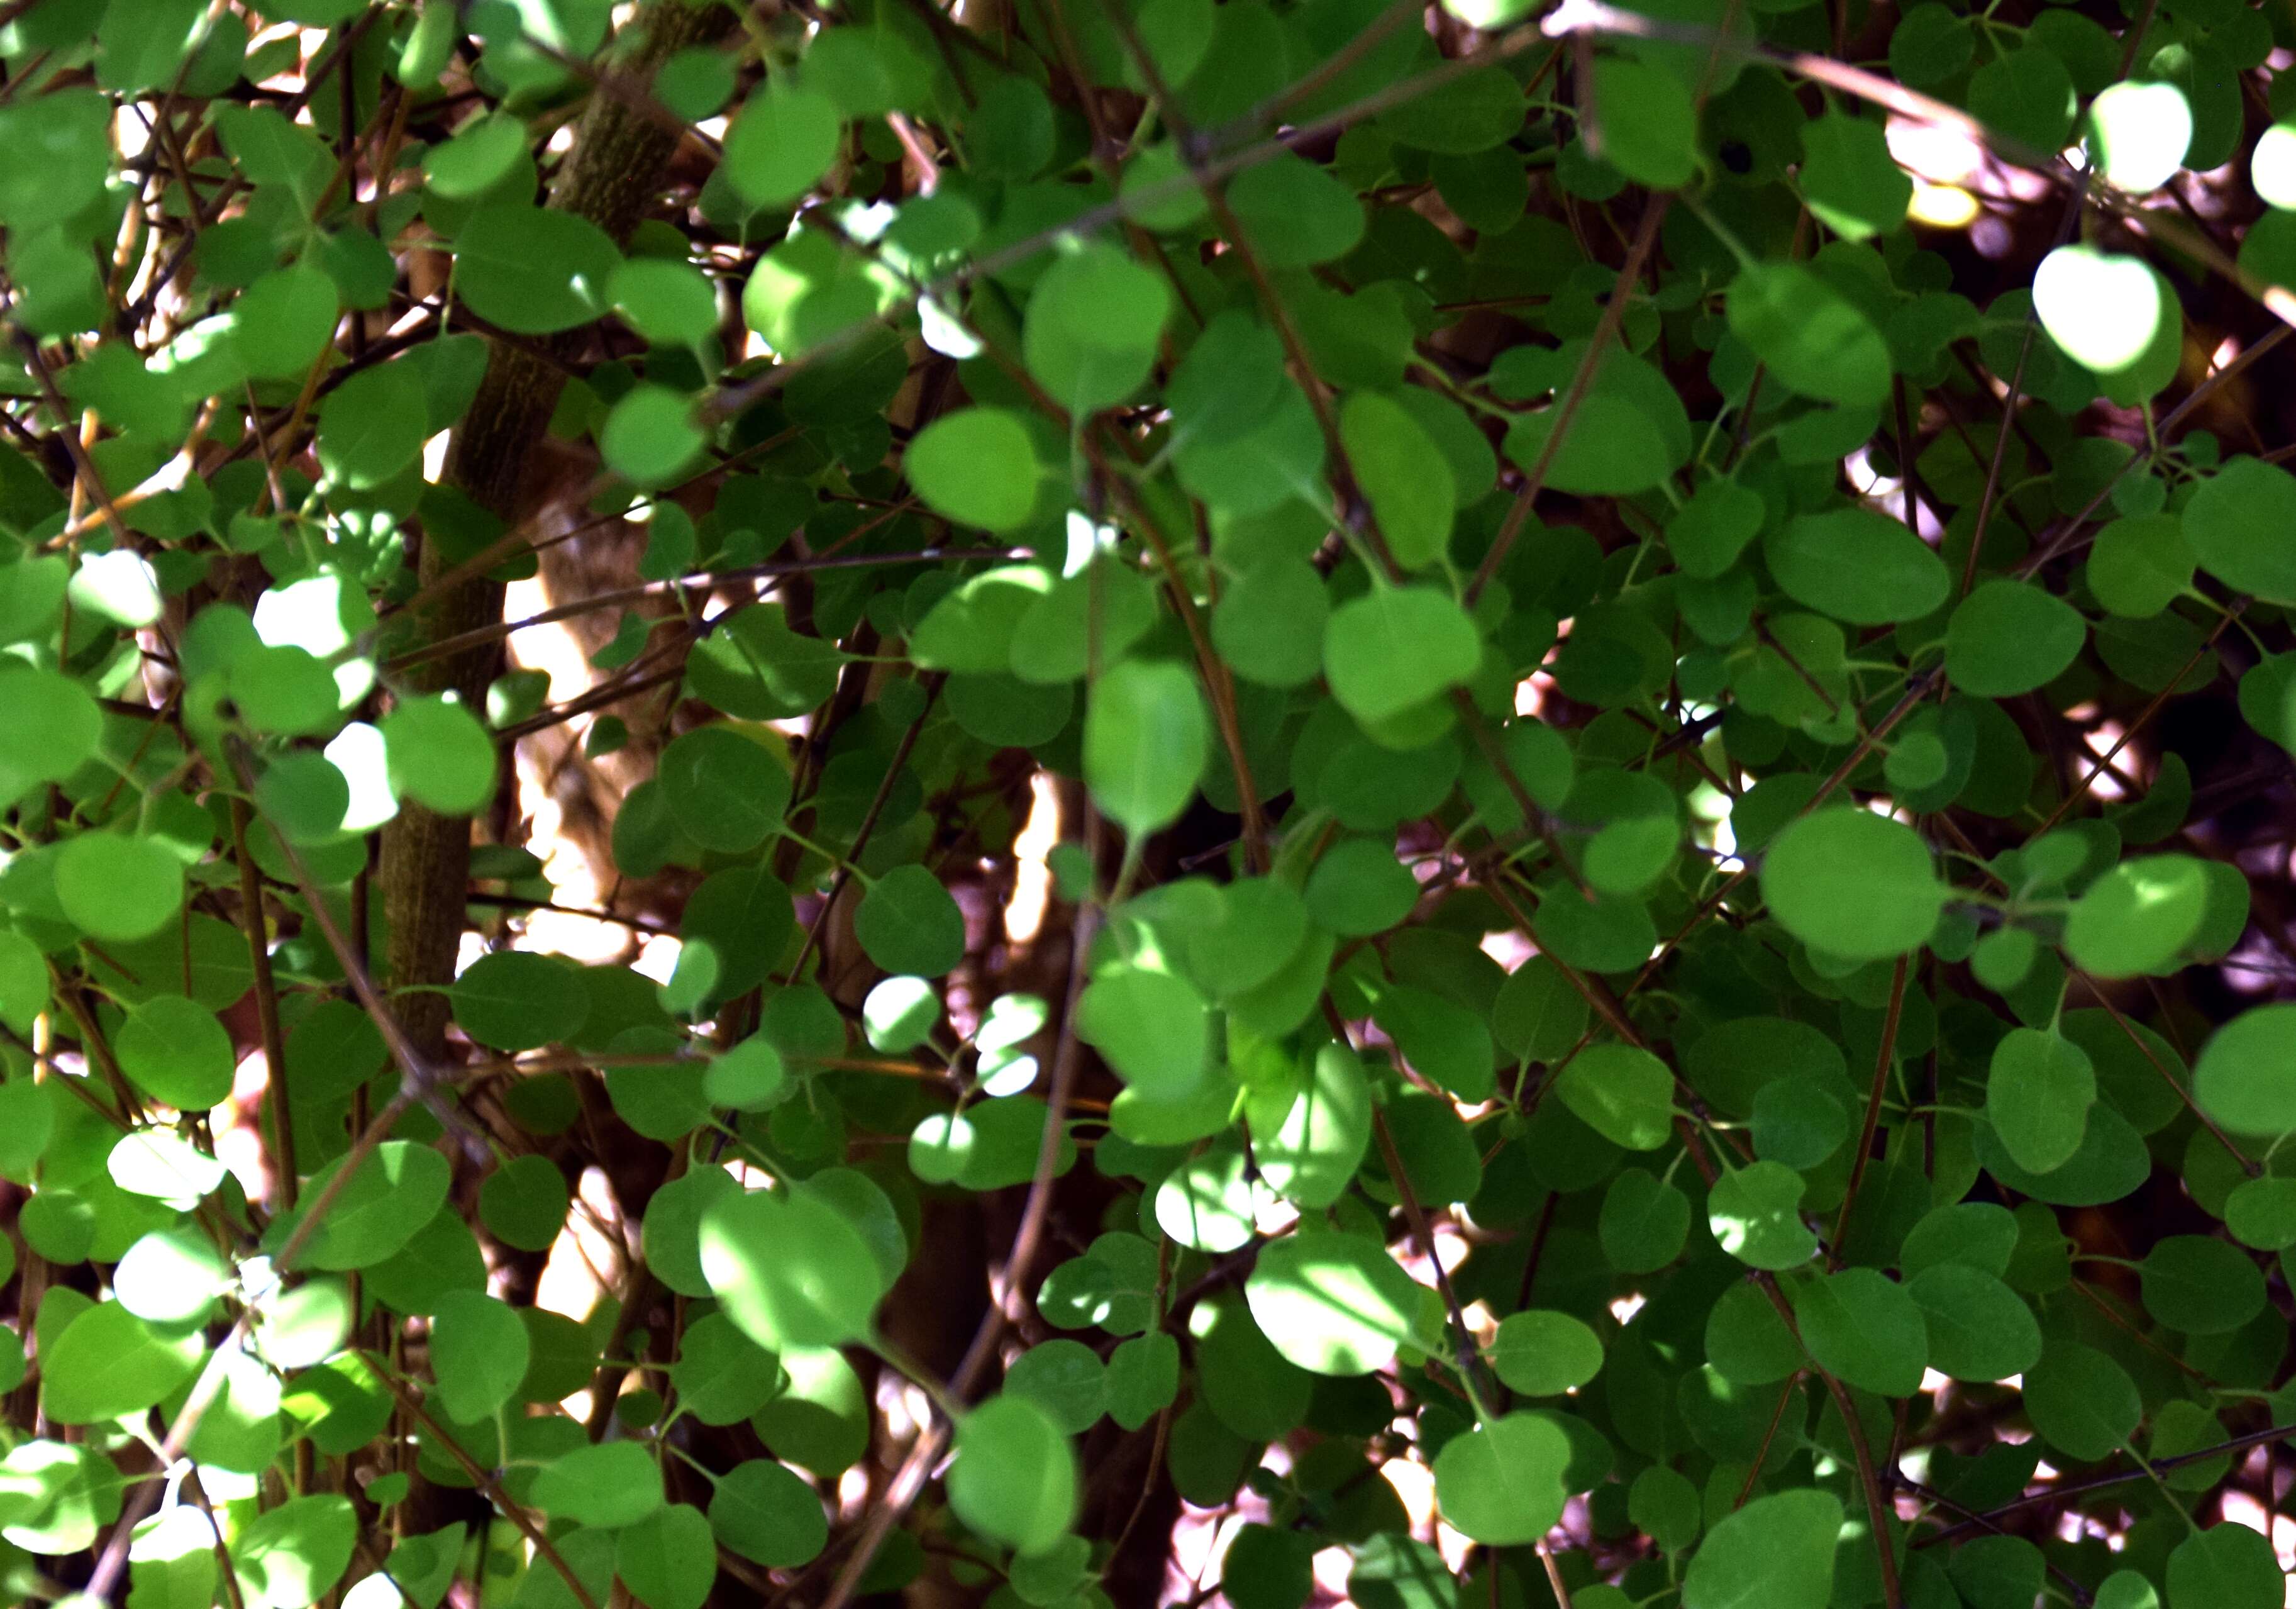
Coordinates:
[1084,803]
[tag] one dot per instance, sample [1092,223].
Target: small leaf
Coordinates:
[1014,1480]
[1502,1483]
[1146,743]
[1811,337]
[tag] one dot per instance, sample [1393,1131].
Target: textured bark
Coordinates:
[614,170]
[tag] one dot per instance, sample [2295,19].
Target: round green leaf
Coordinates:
[1502,1483]
[784,139]
[479,1351]
[667,1560]
[2242,1078]
[1861,1325]
[725,790]
[1853,884]
[1152,1028]
[1543,1354]
[765,1512]
[790,1268]
[1978,1328]
[1777,1552]
[1332,1304]
[2038,1096]
[1623,1093]
[908,923]
[1755,1214]
[1396,647]
[2230,524]
[517,999]
[2200,1285]
[2082,1403]
[2009,637]
[440,755]
[977,465]
[2137,917]
[1858,565]
[1810,335]
[1146,743]
[1014,1480]
[176,1051]
[118,889]
[532,270]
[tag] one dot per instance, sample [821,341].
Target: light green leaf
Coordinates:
[1145,741]
[1332,1304]
[1398,647]
[1852,883]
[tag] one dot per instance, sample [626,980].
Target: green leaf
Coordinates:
[1153,1029]
[2229,523]
[1295,214]
[1808,335]
[765,1512]
[532,270]
[1858,565]
[790,1268]
[1541,1353]
[2009,637]
[1146,743]
[2137,917]
[1978,1328]
[1502,1483]
[523,1203]
[908,923]
[517,999]
[176,1052]
[2242,1079]
[1645,1221]
[1861,1326]
[1851,183]
[2038,1096]
[1853,884]
[479,1353]
[1775,1553]
[1092,325]
[386,1203]
[605,1486]
[652,437]
[1402,473]
[2200,1285]
[2226,1566]
[441,756]
[1648,125]
[1359,888]
[288,1557]
[2101,308]
[1312,1158]
[1623,1093]
[976,466]
[2082,1403]
[1395,648]
[481,154]
[1755,1214]
[1014,1480]
[1332,1304]
[1065,1378]
[117,889]
[669,1560]
[725,789]
[108,1363]
[372,426]
[784,140]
